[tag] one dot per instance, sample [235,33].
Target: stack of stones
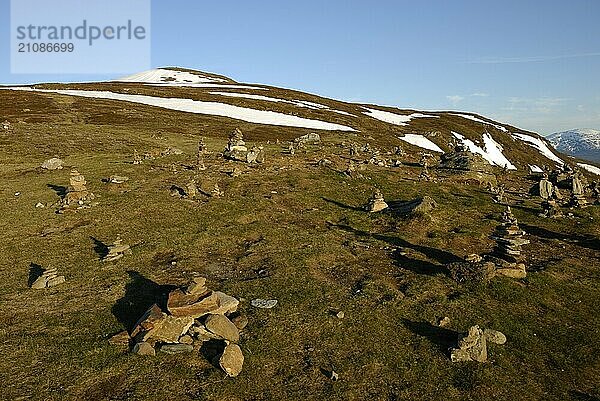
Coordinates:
[376,203]
[191,189]
[200,155]
[117,250]
[77,193]
[236,147]
[216,192]
[578,192]
[509,240]
[291,149]
[194,316]
[546,190]
[137,159]
[472,346]
[256,155]
[49,278]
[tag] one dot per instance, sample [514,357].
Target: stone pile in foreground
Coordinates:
[194,315]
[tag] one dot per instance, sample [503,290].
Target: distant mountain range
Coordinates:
[583,143]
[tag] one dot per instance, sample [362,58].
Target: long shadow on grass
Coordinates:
[586,241]
[418,266]
[140,294]
[444,339]
[60,190]
[343,205]
[100,248]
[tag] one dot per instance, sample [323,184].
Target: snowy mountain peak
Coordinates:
[583,143]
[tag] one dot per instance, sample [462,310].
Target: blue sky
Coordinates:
[535,64]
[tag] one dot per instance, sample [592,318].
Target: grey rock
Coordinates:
[177,348]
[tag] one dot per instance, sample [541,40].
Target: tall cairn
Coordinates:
[200,155]
[509,240]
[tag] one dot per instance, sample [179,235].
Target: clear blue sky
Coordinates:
[535,64]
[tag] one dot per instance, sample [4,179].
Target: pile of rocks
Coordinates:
[137,159]
[200,155]
[116,251]
[472,346]
[577,192]
[255,155]
[194,315]
[376,203]
[311,138]
[509,240]
[547,192]
[53,164]
[77,194]
[49,278]
[236,147]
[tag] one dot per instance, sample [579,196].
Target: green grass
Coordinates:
[320,255]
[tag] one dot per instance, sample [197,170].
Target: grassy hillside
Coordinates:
[289,230]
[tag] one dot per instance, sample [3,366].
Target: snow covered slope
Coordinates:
[584,143]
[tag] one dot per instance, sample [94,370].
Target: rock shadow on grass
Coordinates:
[442,338]
[140,294]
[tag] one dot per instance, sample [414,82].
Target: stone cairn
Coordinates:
[236,147]
[6,126]
[351,171]
[49,278]
[255,155]
[195,317]
[137,159]
[376,203]
[472,346]
[191,189]
[425,176]
[77,193]
[546,190]
[577,192]
[200,155]
[354,149]
[499,193]
[216,192]
[507,253]
[291,149]
[596,191]
[116,250]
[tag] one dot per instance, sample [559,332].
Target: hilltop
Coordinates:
[152,195]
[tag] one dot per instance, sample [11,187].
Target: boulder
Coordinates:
[232,360]
[169,330]
[53,164]
[222,327]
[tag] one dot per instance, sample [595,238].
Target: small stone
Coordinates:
[443,322]
[39,205]
[263,303]
[144,348]
[223,327]
[240,321]
[340,315]
[187,339]
[117,179]
[227,304]
[121,338]
[197,287]
[232,360]
[177,348]
[333,375]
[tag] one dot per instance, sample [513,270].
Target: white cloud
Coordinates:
[455,99]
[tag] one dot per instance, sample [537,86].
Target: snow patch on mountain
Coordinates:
[540,145]
[590,168]
[208,108]
[164,76]
[393,118]
[421,141]
[479,120]
[492,153]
